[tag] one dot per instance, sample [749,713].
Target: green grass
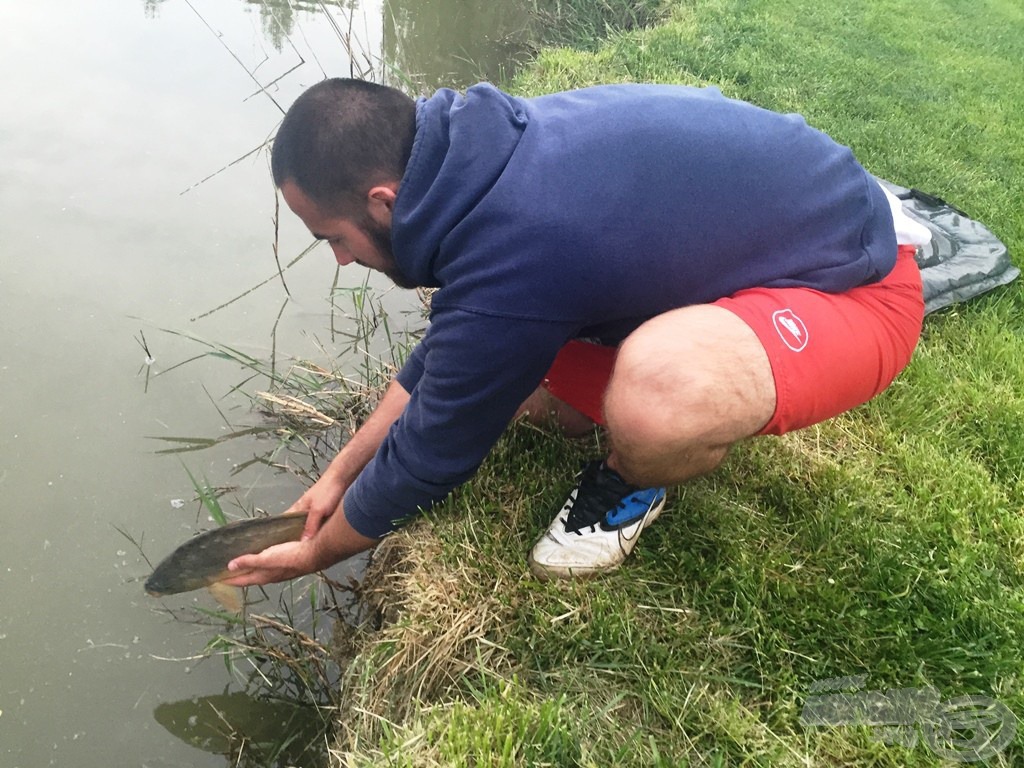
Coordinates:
[888,542]
[587,23]
[754,584]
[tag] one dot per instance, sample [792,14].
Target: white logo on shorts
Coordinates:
[791,329]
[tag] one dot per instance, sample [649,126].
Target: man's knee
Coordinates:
[650,395]
[696,376]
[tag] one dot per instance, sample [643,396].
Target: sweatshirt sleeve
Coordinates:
[476,371]
[409,374]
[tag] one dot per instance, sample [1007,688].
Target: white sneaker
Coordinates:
[597,527]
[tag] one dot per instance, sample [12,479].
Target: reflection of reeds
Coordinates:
[285,655]
[147,363]
[246,729]
[361,61]
[249,72]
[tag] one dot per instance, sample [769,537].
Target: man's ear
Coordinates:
[380,202]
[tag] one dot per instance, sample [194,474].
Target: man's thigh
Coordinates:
[832,352]
[696,374]
[808,355]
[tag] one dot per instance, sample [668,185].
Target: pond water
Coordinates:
[133,202]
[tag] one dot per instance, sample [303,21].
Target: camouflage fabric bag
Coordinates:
[964,258]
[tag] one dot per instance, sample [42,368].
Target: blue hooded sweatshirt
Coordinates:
[583,214]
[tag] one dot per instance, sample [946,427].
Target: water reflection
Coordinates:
[249,731]
[418,44]
[278,17]
[441,42]
[152,8]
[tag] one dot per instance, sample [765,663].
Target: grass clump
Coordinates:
[588,23]
[886,543]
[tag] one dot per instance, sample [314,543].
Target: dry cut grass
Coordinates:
[433,634]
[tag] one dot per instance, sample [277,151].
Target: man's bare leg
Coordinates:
[544,409]
[686,386]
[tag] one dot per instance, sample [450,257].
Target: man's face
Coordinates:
[365,241]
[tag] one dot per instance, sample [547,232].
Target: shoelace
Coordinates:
[600,490]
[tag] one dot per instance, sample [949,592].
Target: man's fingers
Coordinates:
[244,563]
[249,570]
[314,517]
[313,522]
[277,563]
[244,579]
[271,557]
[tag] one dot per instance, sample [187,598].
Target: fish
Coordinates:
[202,561]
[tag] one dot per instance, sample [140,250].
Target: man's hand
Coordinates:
[278,563]
[327,537]
[320,502]
[333,542]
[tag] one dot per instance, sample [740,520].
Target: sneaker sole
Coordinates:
[552,572]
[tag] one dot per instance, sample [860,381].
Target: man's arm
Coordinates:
[478,368]
[323,499]
[325,543]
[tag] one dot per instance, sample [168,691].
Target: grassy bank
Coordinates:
[887,543]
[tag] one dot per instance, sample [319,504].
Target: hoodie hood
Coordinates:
[440,188]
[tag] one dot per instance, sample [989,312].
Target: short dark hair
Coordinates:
[341,137]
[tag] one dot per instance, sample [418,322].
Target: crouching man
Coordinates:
[686,269]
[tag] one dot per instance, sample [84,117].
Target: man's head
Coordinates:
[338,158]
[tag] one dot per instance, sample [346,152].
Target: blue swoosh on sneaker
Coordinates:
[633,507]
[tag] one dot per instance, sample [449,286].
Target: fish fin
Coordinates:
[229,597]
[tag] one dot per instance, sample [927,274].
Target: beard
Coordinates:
[380,236]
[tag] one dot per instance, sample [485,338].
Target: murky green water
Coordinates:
[116,117]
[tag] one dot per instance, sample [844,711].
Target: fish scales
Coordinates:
[203,559]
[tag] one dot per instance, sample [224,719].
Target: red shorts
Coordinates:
[828,352]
